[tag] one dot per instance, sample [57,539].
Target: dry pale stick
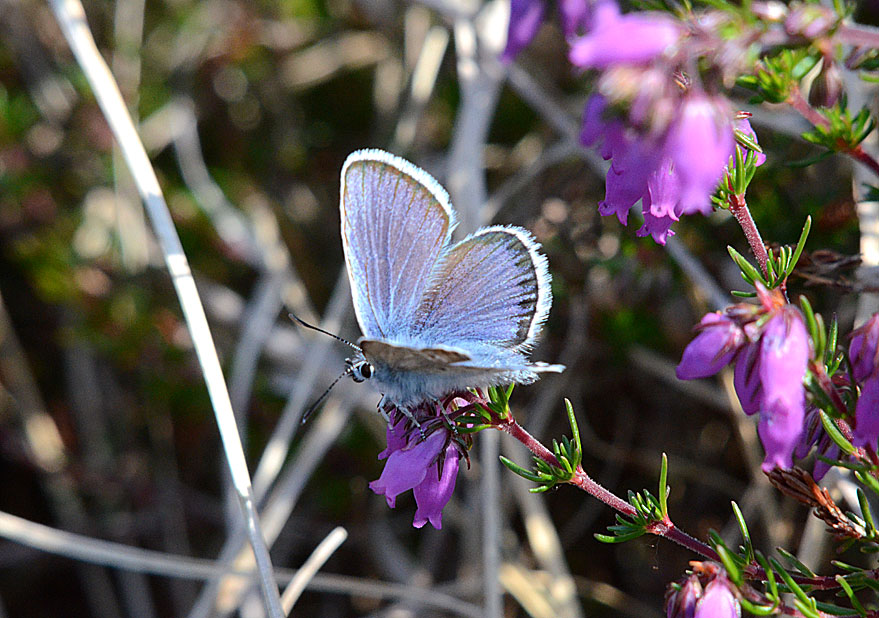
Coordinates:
[71,18]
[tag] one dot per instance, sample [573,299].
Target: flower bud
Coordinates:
[827,86]
[769,11]
[681,603]
[810,21]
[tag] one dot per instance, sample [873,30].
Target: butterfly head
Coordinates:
[359,369]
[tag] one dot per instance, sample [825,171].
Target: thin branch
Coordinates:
[71,18]
[311,566]
[117,555]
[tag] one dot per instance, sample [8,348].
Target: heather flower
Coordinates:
[435,491]
[784,355]
[863,354]
[814,435]
[682,603]
[866,429]
[674,171]
[526,16]
[718,601]
[771,356]
[423,458]
[863,351]
[827,87]
[713,348]
[525,19]
[700,142]
[623,39]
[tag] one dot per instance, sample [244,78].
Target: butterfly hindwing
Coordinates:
[396,221]
[490,289]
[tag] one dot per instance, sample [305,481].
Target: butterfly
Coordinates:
[437,317]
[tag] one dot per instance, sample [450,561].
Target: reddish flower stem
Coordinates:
[857,34]
[795,99]
[739,208]
[665,529]
[859,154]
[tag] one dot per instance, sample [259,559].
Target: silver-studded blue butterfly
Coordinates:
[437,317]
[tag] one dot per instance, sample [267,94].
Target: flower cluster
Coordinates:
[527,15]
[423,453]
[691,599]
[770,347]
[668,140]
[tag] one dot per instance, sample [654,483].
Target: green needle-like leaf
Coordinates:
[749,272]
[575,430]
[801,244]
[663,488]
[835,434]
[524,473]
[866,513]
[746,535]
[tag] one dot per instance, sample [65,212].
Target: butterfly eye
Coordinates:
[359,370]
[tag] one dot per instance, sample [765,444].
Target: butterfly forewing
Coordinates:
[491,289]
[396,220]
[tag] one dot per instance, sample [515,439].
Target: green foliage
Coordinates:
[779,266]
[777,77]
[649,509]
[568,453]
[842,132]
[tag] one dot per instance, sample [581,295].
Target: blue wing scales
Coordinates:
[396,221]
[491,290]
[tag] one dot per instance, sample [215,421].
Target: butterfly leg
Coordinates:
[382,408]
[443,411]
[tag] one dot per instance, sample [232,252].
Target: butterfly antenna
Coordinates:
[320,330]
[320,400]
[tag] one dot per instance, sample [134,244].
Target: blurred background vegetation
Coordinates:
[248,110]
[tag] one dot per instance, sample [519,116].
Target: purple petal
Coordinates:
[867,414]
[525,19]
[406,468]
[576,16]
[718,601]
[713,348]
[744,126]
[657,227]
[663,191]
[700,142]
[626,180]
[746,378]
[628,39]
[784,353]
[780,429]
[821,467]
[594,125]
[395,436]
[435,491]
[863,351]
